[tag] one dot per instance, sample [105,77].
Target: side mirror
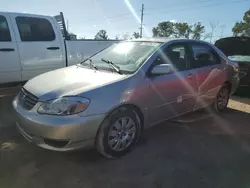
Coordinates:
[162,69]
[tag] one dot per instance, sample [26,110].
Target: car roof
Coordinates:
[167,39]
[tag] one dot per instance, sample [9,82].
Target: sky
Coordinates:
[122,17]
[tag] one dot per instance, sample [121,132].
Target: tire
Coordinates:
[118,133]
[222,98]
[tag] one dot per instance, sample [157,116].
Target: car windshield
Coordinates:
[239,58]
[128,55]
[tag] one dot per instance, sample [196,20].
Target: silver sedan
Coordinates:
[106,101]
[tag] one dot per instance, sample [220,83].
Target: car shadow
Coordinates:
[199,121]
[209,151]
[7,117]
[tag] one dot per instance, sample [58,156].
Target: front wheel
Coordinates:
[222,99]
[118,133]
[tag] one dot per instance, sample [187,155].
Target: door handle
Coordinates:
[190,76]
[7,49]
[53,48]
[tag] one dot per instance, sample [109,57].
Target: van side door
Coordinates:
[40,44]
[10,68]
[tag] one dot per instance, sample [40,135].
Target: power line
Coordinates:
[192,8]
[110,18]
[124,15]
[129,14]
[181,5]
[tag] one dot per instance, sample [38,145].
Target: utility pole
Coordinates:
[67,25]
[142,14]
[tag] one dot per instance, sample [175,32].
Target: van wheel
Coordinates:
[118,133]
[222,99]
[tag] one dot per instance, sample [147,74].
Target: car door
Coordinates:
[175,93]
[40,47]
[209,70]
[10,69]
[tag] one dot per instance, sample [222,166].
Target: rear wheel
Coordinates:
[222,99]
[118,133]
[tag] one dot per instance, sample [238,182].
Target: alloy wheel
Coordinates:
[223,98]
[121,134]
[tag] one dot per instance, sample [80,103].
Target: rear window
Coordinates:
[4,30]
[35,29]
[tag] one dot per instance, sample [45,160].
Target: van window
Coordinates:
[203,55]
[4,30]
[35,29]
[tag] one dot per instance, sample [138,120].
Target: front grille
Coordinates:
[27,99]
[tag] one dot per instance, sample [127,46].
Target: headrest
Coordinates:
[174,55]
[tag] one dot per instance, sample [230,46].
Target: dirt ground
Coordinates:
[195,151]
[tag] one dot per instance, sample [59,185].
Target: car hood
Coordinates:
[234,46]
[68,81]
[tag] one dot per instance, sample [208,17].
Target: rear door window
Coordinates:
[4,30]
[35,29]
[203,56]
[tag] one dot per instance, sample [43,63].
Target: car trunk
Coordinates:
[237,46]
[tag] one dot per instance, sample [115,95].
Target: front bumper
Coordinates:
[59,133]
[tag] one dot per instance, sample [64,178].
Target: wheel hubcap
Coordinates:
[121,134]
[223,98]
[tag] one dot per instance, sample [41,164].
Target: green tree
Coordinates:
[72,36]
[242,28]
[163,29]
[101,35]
[136,35]
[178,29]
[197,31]
[182,30]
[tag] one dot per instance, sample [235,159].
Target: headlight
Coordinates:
[64,106]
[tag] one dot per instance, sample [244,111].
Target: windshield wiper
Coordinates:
[91,64]
[115,67]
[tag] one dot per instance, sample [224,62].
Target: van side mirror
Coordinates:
[162,69]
